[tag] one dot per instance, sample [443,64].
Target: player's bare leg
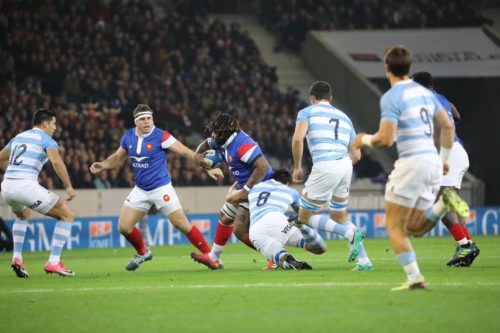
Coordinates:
[129,217]
[66,216]
[18,233]
[193,234]
[395,222]
[308,214]
[242,225]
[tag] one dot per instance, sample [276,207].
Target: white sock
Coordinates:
[412,271]
[463,241]
[438,208]
[216,252]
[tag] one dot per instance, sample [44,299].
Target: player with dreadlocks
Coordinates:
[248,166]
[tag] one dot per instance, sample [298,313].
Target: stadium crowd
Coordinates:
[94,63]
[291,19]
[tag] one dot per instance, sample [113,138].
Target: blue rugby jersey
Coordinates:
[446,105]
[412,107]
[330,132]
[28,154]
[270,196]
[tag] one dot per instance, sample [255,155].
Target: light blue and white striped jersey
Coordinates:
[330,132]
[270,196]
[28,154]
[412,107]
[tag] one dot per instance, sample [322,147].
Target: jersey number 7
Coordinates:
[336,121]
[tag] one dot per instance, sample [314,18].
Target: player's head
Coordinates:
[397,61]
[424,78]
[222,127]
[143,118]
[282,175]
[319,91]
[45,120]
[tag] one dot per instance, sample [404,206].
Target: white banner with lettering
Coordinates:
[461,52]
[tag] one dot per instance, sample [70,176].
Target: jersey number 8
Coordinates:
[263,196]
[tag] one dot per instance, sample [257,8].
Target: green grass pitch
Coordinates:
[174,294]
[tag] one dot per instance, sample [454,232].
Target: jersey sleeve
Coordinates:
[9,145]
[389,108]
[303,115]
[48,142]
[167,140]
[438,104]
[295,197]
[249,152]
[353,132]
[213,144]
[123,142]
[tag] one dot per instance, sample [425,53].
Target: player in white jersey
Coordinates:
[330,135]
[23,159]
[269,227]
[467,250]
[409,112]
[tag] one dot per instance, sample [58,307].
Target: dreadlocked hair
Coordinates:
[223,125]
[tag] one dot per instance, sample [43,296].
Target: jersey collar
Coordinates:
[231,138]
[325,103]
[144,135]
[39,129]
[403,82]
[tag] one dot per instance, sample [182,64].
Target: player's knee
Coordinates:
[415,232]
[67,215]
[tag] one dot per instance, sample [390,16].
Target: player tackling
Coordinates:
[409,112]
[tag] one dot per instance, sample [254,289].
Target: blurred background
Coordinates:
[94,61]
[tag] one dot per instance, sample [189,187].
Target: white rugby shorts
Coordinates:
[459,164]
[272,232]
[22,193]
[415,181]
[163,196]
[329,178]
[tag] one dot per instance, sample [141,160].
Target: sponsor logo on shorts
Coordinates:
[36,204]
[379,220]
[149,147]
[166,198]
[287,229]
[100,234]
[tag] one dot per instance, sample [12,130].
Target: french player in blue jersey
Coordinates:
[409,113]
[248,166]
[22,160]
[147,147]
[269,227]
[467,251]
[330,135]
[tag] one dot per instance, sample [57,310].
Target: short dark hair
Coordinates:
[321,90]
[223,125]
[141,108]
[398,60]
[282,175]
[42,115]
[424,78]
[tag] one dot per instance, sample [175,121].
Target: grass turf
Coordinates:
[174,294]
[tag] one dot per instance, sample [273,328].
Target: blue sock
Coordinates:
[311,237]
[61,234]
[18,233]
[323,222]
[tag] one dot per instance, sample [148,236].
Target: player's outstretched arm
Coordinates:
[111,162]
[260,168]
[442,121]
[61,171]
[4,158]
[354,153]
[298,148]
[384,138]
[178,148]
[200,150]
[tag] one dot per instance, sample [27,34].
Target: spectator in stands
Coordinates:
[369,166]
[101,181]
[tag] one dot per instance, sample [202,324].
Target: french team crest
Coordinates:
[149,147]
[166,198]
[129,147]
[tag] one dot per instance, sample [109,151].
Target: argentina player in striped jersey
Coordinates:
[409,113]
[330,136]
[22,160]
[269,227]
[467,251]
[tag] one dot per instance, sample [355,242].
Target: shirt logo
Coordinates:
[130,147]
[149,147]
[139,159]
[166,198]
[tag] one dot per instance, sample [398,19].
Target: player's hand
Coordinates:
[446,168]
[357,140]
[96,167]
[234,197]
[296,175]
[199,158]
[71,192]
[215,174]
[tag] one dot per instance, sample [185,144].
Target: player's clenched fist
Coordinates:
[96,167]
[296,175]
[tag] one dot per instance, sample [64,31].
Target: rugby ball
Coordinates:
[213,158]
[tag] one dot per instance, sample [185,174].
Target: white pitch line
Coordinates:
[254,285]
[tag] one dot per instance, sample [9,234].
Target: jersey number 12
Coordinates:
[14,158]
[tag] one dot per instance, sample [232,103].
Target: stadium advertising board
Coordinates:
[101,232]
[461,52]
